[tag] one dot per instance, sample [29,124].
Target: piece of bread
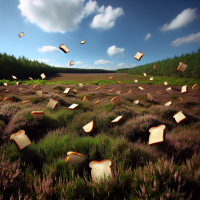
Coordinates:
[21,34]
[73,106]
[71,63]
[138,55]
[165,83]
[30,78]
[6,90]
[158,92]
[169,89]
[111,77]
[39,93]
[180,99]
[43,76]
[80,84]
[20,139]
[136,102]
[118,92]
[25,101]
[110,90]
[14,77]
[182,66]
[37,87]
[8,100]
[88,128]
[119,82]
[116,100]
[144,74]
[168,103]
[136,81]
[141,88]
[179,117]
[88,83]
[82,42]
[5,84]
[195,87]
[66,90]
[64,48]
[149,97]
[38,114]
[130,91]
[20,88]
[154,67]
[74,158]
[97,102]
[151,79]
[101,168]
[52,103]
[157,135]
[17,83]
[98,87]
[1,98]
[118,119]
[75,90]
[184,89]
[86,98]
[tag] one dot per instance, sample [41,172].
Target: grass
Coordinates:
[165,171]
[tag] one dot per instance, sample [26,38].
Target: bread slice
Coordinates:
[52,103]
[39,93]
[118,119]
[168,103]
[101,168]
[116,100]
[180,99]
[195,87]
[158,92]
[110,90]
[6,90]
[130,91]
[157,135]
[20,139]
[97,102]
[111,77]
[64,48]
[82,42]
[136,102]
[149,97]
[80,84]
[165,83]
[17,83]
[119,82]
[37,87]
[75,90]
[138,55]
[118,92]
[141,88]
[184,89]
[169,89]
[179,117]
[38,114]
[66,91]
[98,88]
[14,77]
[30,78]
[88,128]
[74,158]
[8,100]
[71,63]
[43,76]
[21,34]
[25,101]
[151,79]
[144,74]
[86,98]
[154,67]
[182,66]
[73,106]
[88,83]
[136,81]
[5,84]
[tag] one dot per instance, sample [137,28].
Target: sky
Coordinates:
[113,30]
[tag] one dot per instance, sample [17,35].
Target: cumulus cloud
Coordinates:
[48,49]
[98,62]
[90,7]
[41,60]
[120,64]
[114,50]
[190,38]
[148,36]
[182,19]
[78,63]
[84,66]
[106,19]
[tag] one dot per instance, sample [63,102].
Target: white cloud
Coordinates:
[41,60]
[83,66]
[190,38]
[48,49]
[182,19]
[78,63]
[114,50]
[120,64]
[90,7]
[148,36]
[106,19]
[98,62]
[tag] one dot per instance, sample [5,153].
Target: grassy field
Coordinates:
[165,171]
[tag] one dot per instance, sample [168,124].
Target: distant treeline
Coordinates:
[168,67]
[23,68]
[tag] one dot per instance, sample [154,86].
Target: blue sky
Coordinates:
[114,30]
